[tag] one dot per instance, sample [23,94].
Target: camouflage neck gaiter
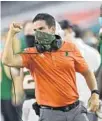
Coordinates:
[44,40]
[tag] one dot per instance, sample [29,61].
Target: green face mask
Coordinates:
[46,41]
[44,38]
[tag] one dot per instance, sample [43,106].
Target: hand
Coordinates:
[15,27]
[99,111]
[94,102]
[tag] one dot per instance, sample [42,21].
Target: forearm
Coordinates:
[90,80]
[17,90]
[8,54]
[18,84]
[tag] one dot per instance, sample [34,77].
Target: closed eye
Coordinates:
[40,28]
[34,29]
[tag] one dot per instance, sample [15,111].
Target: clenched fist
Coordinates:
[15,28]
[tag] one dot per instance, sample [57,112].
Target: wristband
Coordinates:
[95,91]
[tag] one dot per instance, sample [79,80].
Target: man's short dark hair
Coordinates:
[50,21]
[65,24]
[78,31]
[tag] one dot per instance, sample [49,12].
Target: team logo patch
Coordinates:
[66,53]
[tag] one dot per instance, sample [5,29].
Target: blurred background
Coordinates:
[83,14]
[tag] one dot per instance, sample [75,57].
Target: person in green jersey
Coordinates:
[10,99]
[99,72]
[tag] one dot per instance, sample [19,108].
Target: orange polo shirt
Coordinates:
[54,74]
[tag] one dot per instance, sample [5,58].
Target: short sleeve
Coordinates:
[80,63]
[26,60]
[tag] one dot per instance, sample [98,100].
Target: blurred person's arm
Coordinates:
[9,58]
[17,85]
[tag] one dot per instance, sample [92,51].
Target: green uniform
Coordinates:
[100,47]
[101,52]
[23,43]
[7,109]
[6,85]
[21,39]
[99,76]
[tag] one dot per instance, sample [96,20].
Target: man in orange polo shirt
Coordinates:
[53,64]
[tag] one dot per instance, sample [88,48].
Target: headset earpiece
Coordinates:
[57,43]
[40,48]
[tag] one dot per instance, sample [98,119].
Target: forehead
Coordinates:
[38,24]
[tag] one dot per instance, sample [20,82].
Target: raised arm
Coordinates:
[9,58]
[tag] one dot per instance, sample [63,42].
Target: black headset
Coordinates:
[55,45]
